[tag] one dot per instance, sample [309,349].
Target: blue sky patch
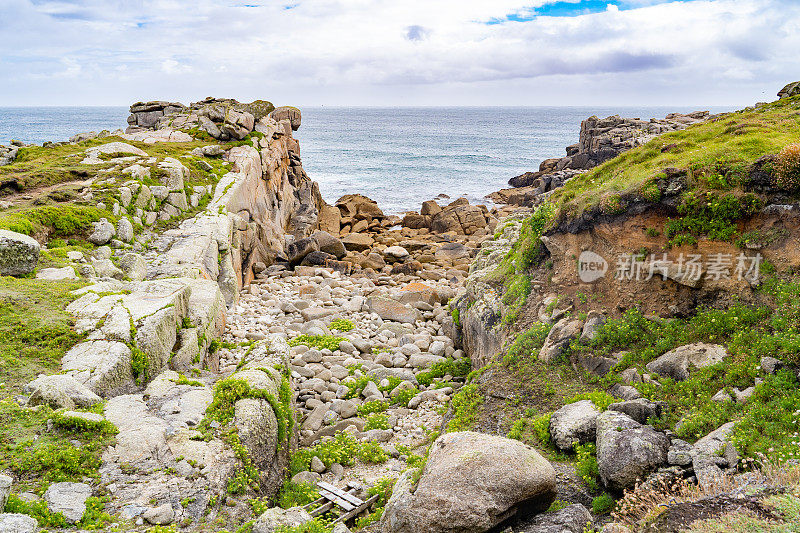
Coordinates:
[572,9]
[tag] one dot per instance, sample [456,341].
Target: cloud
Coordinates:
[416,33]
[389,52]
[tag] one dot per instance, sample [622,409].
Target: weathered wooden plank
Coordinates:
[358,510]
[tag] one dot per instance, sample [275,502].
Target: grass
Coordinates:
[715,151]
[35,329]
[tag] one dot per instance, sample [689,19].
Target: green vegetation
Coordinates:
[441,369]
[342,324]
[35,329]
[377,421]
[603,504]
[343,449]
[374,406]
[709,214]
[319,342]
[714,152]
[222,410]
[767,421]
[787,167]
[586,467]
[465,405]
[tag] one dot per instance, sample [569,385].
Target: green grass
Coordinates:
[714,152]
[319,342]
[35,329]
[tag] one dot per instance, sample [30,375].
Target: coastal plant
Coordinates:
[320,342]
[376,421]
[787,167]
[342,324]
[454,368]
[526,345]
[603,504]
[465,405]
[586,466]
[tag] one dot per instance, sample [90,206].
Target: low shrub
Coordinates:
[787,168]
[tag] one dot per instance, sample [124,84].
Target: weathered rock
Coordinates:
[60,390]
[18,253]
[627,451]
[18,523]
[273,519]
[162,515]
[575,423]
[594,321]
[561,334]
[57,274]
[640,409]
[133,266]
[358,207]
[297,250]
[571,519]
[389,309]
[791,89]
[329,244]
[470,483]
[357,242]
[710,452]
[292,114]
[103,366]
[124,230]
[675,363]
[103,232]
[68,499]
[5,489]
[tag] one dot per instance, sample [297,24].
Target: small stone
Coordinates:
[317,465]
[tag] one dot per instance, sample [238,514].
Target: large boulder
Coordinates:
[357,242]
[102,366]
[68,499]
[675,363]
[627,451]
[358,207]
[575,423]
[459,217]
[18,253]
[329,244]
[103,232]
[60,390]
[471,483]
[389,309]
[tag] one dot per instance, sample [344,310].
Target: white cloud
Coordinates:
[389,52]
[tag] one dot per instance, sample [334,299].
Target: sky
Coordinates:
[399,52]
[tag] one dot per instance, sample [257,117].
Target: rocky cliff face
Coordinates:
[600,140]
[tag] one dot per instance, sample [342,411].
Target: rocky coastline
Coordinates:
[239,343]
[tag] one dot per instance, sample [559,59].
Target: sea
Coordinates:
[399,156]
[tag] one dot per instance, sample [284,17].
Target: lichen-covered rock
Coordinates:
[571,519]
[675,363]
[69,499]
[791,89]
[60,390]
[565,331]
[103,366]
[627,451]
[5,489]
[18,523]
[18,253]
[103,232]
[575,423]
[470,483]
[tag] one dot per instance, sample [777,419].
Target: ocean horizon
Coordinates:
[398,156]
